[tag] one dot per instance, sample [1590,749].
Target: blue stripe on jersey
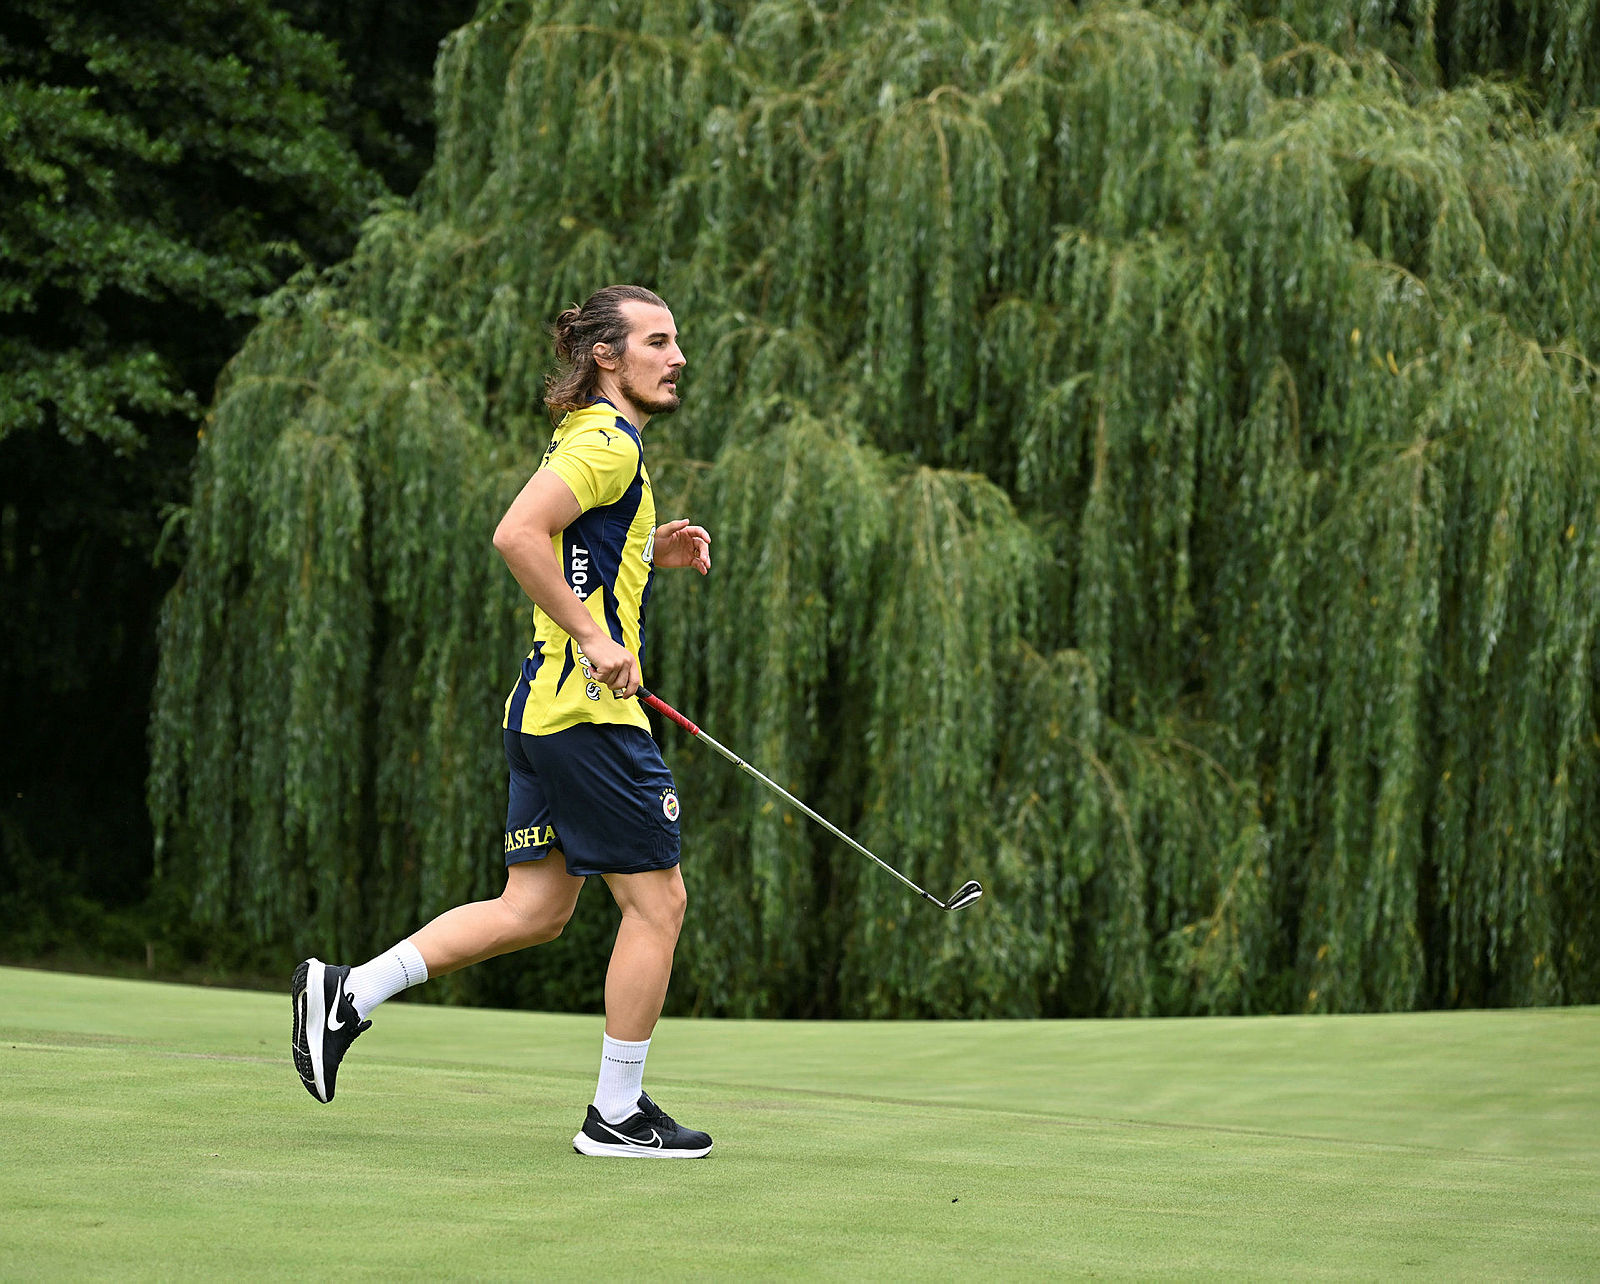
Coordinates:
[577,562]
[644,602]
[530,666]
[578,543]
[615,538]
[593,545]
[566,669]
[519,696]
[608,555]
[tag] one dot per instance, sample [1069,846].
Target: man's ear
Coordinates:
[603,356]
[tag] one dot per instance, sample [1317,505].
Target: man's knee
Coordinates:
[658,899]
[537,924]
[534,912]
[675,904]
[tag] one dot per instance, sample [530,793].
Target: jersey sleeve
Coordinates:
[598,464]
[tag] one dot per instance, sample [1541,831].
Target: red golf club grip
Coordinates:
[662,707]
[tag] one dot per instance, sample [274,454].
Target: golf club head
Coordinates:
[964,896]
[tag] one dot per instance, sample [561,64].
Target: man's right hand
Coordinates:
[612,666]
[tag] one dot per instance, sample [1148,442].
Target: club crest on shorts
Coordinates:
[669,803]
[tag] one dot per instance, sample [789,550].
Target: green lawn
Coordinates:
[160,1131]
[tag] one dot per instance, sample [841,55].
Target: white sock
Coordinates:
[385,976]
[621,1079]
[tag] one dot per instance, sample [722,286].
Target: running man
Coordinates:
[589,791]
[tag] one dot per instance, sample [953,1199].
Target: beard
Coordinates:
[654,402]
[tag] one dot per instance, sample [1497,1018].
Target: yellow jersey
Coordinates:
[605,555]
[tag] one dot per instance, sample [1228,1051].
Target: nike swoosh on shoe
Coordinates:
[653,1144]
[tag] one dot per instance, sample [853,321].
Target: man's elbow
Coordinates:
[510,538]
[513,537]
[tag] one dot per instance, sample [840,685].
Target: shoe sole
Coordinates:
[310,1025]
[587,1145]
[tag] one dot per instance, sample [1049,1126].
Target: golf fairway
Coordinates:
[159,1131]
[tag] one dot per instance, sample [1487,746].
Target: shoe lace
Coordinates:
[654,1113]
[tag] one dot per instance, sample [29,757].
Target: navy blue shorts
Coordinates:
[598,793]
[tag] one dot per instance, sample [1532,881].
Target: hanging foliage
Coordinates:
[1154,462]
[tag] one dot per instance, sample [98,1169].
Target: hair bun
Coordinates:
[565,324]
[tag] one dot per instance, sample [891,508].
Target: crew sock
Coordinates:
[621,1079]
[385,976]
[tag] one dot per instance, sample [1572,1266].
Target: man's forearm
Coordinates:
[533,562]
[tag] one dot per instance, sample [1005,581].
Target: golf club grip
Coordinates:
[665,709]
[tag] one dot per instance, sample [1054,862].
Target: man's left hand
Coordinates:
[680,544]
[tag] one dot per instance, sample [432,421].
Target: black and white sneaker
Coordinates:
[325,1024]
[649,1134]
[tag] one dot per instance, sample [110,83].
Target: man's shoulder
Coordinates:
[598,427]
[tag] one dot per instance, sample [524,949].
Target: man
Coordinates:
[589,792]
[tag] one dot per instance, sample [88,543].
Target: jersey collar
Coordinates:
[622,420]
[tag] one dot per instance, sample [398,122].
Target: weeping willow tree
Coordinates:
[1154,456]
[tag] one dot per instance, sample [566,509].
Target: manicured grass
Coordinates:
[160,1131]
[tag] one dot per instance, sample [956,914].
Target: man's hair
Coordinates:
[575,382]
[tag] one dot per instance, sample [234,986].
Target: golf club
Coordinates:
[959,899]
